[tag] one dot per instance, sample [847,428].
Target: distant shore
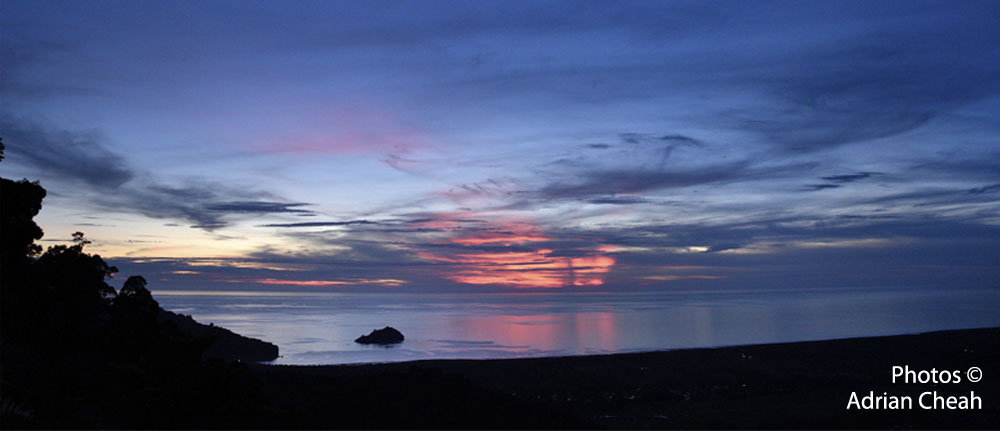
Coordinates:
[787,385]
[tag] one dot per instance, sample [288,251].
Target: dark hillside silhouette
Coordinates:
[226,345]
[78,354]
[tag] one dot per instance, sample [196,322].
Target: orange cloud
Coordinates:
[522,269]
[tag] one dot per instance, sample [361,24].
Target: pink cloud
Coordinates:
[541,268]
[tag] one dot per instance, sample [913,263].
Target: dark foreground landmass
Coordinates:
[793,385]
[221,343]
[77,353]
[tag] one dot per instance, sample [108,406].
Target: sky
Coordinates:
[513,146]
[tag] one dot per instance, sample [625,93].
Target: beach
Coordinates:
[789,385]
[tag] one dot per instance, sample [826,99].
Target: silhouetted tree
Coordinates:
[20,201]
[80,240]
[135,294]
[82,275]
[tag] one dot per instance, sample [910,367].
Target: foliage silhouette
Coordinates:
[134,294]
[78,354]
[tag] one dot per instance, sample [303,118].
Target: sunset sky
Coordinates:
[467,146]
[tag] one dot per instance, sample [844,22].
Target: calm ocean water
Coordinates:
[319,328]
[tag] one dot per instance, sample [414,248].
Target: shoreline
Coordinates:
[635,352]
[805,384]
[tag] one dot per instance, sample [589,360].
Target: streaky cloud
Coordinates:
[321,223]
[818,187]
[74,157]
[984,189]
[71,155]
[603,182]
[619,200]
[863,88]
[258,207]
[848,178]
[606,181]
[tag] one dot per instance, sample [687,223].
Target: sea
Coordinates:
[319,327]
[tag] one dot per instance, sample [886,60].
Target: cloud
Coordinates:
[631,181]
[619,200]
[82,163]
[795,229]
[490,187]
[974,204]
[984,189]
[866,88]
[682,139]
[206,205]
[72,156]
[818,187]
[848,178]
[744,113]
[257,207]
[602,182]
[391,282]
[837,181]
[322,223]
[664,145]
[462,252]
[646,138]
[778,252]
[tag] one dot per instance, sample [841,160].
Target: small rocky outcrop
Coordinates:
[387,335]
